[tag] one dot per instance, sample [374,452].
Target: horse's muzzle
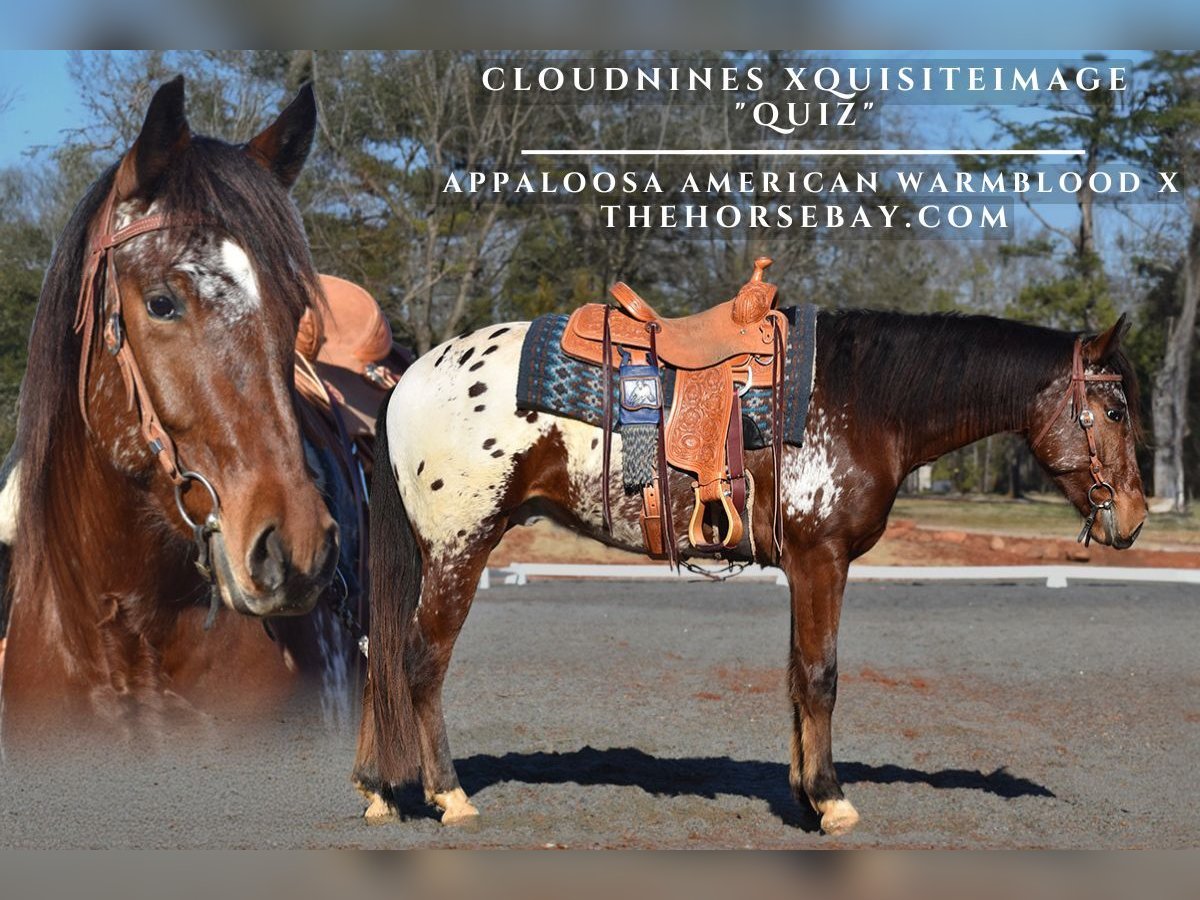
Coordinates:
[1121,543]
[280,588]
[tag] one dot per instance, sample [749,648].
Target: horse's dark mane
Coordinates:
[208,180]
[890,367]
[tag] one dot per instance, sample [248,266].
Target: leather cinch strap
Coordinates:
[670,545]
[100,297]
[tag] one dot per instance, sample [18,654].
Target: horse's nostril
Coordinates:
[1125,543]
[267,560]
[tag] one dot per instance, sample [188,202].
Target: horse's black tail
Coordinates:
[395,592]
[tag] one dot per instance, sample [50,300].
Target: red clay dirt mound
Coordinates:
[904,543]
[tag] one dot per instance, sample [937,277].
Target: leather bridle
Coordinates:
[1076,395]
[100,298]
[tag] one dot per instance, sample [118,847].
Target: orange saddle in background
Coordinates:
[350,347]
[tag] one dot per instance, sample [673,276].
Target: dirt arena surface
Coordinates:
[588,714]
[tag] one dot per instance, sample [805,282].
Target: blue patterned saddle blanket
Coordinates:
[552,382]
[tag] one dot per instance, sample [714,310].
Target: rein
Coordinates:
[100,298]
[1076,395]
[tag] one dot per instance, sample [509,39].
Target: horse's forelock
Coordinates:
[221,183]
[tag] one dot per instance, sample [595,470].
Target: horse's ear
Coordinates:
[164,134]
[1098,350]
[283,147]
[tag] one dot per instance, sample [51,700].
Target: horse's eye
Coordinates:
[1115,415]
[162,307]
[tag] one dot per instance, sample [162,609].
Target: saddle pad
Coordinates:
[550,381]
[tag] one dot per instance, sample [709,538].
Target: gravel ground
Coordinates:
[654,715]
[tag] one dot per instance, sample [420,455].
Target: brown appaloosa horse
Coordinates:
[161,460]
[891,392]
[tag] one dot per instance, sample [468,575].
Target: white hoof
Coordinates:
[456,808]
[837,816]
[378,810]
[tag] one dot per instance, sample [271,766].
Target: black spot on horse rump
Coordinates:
[497,454]
[462,532]
[490,350]
[476,366]
[463,359]
[421,466]
[437,485]
[489,443]
[532,416]
[497,333]
[441,357]
[595,441]
[476,389]
[480,408]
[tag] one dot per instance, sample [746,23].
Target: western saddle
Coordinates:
[718,355]
[346,357]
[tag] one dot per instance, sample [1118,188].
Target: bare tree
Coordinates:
[1167,132]
[396,126]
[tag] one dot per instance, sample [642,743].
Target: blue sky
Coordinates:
[44,101]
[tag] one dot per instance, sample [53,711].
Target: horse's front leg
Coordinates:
[817,577]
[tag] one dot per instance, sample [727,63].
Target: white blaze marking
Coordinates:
[239,267]
[224,278]
[211,266]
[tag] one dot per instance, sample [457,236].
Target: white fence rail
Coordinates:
[1054,576]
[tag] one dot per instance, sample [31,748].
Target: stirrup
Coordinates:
[733,532]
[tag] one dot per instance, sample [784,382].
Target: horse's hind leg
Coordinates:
[446,599]
[817,577]
[366,768]
[447,590]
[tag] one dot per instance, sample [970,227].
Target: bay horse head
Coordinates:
[196,271]
[1084,429]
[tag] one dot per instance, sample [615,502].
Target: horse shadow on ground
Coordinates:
[709,776]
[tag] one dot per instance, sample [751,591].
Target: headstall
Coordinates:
[100,300]
[1076,395]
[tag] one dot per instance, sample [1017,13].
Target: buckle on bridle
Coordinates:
[114,336]
[1086,418]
